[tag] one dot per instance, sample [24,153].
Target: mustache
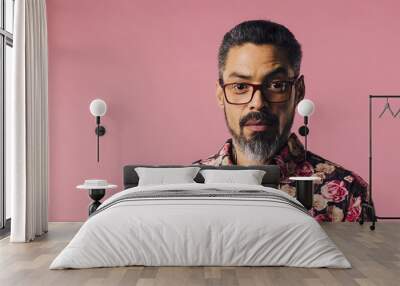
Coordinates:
[262,116]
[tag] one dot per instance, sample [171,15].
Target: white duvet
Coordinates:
[188,231]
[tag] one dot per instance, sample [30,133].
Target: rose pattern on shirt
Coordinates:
[334,191]
[339,193]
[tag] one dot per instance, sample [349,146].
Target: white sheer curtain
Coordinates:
[27,124]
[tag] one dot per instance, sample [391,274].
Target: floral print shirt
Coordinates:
[339,193]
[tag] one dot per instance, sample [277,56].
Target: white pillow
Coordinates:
[161,176]
[249,177]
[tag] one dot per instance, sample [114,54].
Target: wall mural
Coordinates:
[220,83]
[260,84]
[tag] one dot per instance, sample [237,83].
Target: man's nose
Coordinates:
[258,101]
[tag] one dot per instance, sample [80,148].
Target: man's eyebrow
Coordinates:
[276,71]
[239,75]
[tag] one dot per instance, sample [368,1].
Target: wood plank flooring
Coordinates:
[374,255]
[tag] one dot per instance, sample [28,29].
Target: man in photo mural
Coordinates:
[258,89]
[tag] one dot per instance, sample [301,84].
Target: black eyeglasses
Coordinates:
[275,91]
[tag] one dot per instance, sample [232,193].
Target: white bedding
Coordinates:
[183,231]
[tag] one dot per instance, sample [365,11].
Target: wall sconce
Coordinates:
[305,108]
[98,108]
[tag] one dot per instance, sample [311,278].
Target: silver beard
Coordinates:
[260,148]
[257,150]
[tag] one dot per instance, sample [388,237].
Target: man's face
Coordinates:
[259,127]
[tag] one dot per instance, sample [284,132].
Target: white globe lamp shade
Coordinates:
[98,107]
[305,107]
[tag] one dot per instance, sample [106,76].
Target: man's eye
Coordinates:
[241,87]
[278,86]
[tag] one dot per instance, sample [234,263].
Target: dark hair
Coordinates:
[261,32]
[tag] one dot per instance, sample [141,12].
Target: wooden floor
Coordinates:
[375,256]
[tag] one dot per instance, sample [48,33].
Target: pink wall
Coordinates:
[154,63]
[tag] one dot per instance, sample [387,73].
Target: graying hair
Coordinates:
[261,32]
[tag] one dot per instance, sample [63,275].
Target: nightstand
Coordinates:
[305,190]
[97,190]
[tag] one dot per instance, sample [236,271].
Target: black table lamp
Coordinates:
[98,108]
[305,108]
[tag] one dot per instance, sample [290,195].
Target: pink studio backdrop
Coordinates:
[155,64]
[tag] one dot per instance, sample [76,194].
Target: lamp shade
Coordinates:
[98,107]
[305,107]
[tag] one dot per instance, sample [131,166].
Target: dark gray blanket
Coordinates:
[204,193]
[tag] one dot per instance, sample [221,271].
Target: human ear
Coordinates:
[219,94]
[300,90]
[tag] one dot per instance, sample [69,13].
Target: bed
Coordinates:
[201,224]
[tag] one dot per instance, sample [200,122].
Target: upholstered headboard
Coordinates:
[271,177]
